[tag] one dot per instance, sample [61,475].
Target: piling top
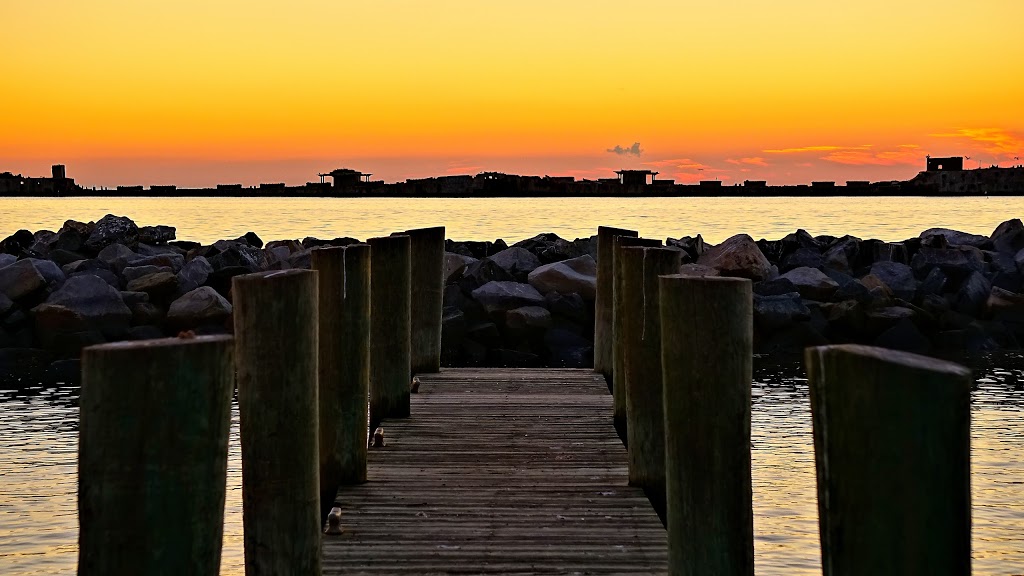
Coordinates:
[269,275]
[685,278]
[159,343]
[602,230]
[890,357]
[418,231]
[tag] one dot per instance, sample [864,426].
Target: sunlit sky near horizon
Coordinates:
[196,92]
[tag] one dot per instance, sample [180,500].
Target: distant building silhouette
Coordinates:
[635,177]
[954,163]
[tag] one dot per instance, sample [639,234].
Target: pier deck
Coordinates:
[499,471]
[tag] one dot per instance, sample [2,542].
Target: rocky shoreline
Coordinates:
[528,304]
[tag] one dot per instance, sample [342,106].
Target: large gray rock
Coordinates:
[1008,237]
[132,272]
[812,283]
[1005,305]
[518,262]
[52,273]
[98,303]
[200,307]
[172,260]
[973,294]
[953,262]
[955,237]
[20,279]
[738,256]
[497,296]
[528,317]
[455,264]
[776,313]
[897,277]
[156,234]
[113,230]
[194,274]
[7,259]
[117,256]
[577,275]
[159,285]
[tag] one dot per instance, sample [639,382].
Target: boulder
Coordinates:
[156,234]
[811,283]
[954,263]
[116,256]
[801,239]
[130,298]
[1008,237]
[102,273]
[159,285]
[21,279]
[52,273]
[497,296]
[855,291]
[776,313]
[518,262]
[694,247]
[561,250]
[956,238]
[17,243]
[1005,306]
[738,256]
[113,230]
[577,275]
[528,318]
[935,282]
[898,277]
[171,260]
[890,252]
[801,258]
[7,259]
[146,314]
[774,287]
[973,295]
[905,336]
[200,307]
[194,274]
[455,264]
[97,302]
[843,254]
[237,255]
[570,306]
[132,272]
[481,272]
[71,240]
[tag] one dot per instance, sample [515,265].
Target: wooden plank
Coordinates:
[499,471]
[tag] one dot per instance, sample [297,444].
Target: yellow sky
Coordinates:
[495,83]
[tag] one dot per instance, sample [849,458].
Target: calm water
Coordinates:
[210,219]
[38,443]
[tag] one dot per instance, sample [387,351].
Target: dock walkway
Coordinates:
[499,471]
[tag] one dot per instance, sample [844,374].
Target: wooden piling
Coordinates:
[344,366]
[707,361]
[276,336]
[641,336]
[390,316]
[892,450]
[603,302]
[152,464]
[426,300]
[618,352]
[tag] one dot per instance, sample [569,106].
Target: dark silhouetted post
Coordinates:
[892,448]
[618,344]
[344,366]
[427,295]
[707,359]
[603,334]
[276,359]
[641,335]
[152,456]
[390,285]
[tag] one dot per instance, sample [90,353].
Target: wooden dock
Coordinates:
[499,472]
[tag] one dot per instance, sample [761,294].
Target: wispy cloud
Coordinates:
[807,149]
[633,150]
[903,154]
[753,161]
[996,141]
[679,163]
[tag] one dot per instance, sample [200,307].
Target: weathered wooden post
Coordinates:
[276,339]
[344,366]
[707,359]
[427,296]
[641,335]
[390,314]
[152,456]
[618,344]
[603,302]
[892,449]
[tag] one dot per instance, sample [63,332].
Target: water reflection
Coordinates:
[38,447]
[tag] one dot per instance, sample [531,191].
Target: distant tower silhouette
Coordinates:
[346,178]
[58,171]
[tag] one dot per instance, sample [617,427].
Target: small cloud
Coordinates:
[754,161]
[633,150]
[680,163]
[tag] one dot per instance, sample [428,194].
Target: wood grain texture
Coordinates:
[426,300]
[499,472]
[707,363]
[892,451]
[603,302]
[618,351]
[276,353]
[390,322]
[153,447]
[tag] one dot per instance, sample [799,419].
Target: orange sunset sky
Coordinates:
[200,92]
